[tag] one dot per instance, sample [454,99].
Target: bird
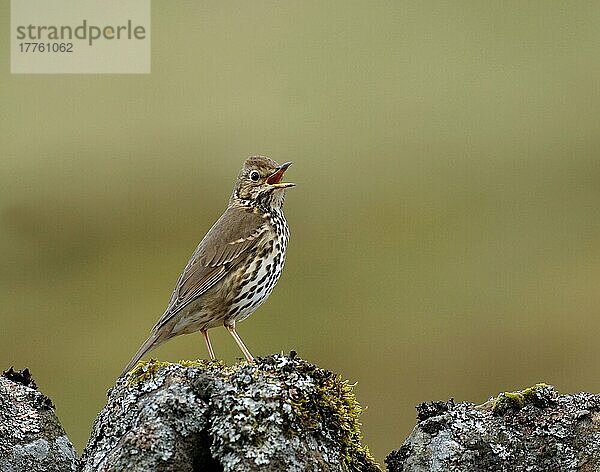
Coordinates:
[235,267]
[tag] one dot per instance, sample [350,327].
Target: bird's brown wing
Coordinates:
[238,230]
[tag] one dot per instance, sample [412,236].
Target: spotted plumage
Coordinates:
[236,266]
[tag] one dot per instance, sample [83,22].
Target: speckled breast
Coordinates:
[262,273]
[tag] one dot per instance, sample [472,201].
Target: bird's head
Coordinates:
[260,182]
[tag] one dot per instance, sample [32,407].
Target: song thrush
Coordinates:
[235,267]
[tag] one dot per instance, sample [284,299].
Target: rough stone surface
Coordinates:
[279,414]
[31,437]
[532,430]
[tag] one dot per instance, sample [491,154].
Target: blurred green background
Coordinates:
[445,226]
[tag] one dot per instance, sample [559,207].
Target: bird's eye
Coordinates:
[254,176]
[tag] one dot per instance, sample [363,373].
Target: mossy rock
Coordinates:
[280,413]
[537,395]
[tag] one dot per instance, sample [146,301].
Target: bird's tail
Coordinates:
[149,344]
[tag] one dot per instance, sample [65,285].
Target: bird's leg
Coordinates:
[211,353]
[240,343]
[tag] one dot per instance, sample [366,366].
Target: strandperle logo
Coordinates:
[84,31]
[80,36]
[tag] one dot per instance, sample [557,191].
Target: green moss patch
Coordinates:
[146,370]
[535,395]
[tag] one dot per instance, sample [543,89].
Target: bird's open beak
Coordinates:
[275,178]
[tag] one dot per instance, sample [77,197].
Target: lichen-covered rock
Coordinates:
[279,414]
[532,430]
[31,437]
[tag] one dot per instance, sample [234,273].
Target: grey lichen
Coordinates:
[534,429]
[31,437]
[279,414]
